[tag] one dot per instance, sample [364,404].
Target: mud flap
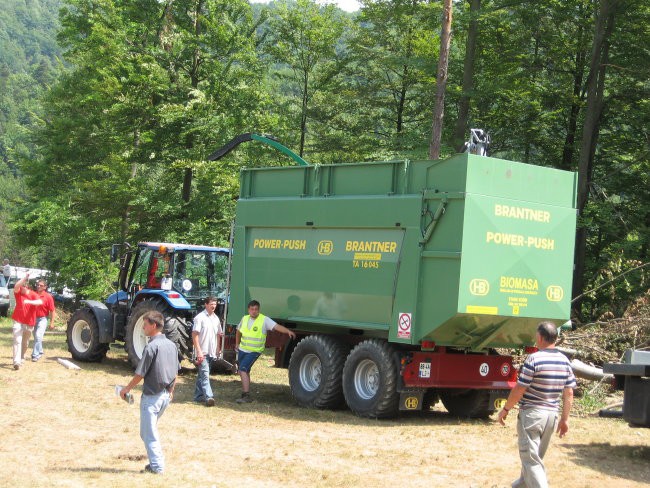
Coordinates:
[411,400]
[498,398]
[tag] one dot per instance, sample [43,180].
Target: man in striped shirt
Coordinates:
[544,377]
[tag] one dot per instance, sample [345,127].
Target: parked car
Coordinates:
[4,296]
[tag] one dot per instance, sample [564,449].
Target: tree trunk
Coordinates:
[125,225]
[303,114]
[441,81]
[462,128]
[576,102]
[593,112]
[401,102]
[194,81]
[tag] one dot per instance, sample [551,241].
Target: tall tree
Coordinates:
[593,112]
[441,81]
[461,127]
[303,38]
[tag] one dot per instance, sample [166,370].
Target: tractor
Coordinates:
[173,279]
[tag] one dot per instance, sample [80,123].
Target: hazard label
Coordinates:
[404,326]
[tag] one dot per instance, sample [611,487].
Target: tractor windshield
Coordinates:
[198,274]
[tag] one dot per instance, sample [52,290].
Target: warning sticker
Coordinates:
[404,326]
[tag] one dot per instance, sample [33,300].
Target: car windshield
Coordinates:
[198,274]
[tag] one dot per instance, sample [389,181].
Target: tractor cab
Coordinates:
[174,279]
[182,274]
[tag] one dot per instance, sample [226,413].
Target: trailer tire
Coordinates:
[370,379]
[473,404]
[136,340]
[316,371]
[82,336]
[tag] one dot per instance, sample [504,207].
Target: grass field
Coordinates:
[63,427]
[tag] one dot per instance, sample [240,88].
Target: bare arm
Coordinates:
[284,330]
[515,395]
[237,339]
[19,284]
[567,403]
[197,347]
[134,381]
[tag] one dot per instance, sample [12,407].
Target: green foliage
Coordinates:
[96,142]
[589,399]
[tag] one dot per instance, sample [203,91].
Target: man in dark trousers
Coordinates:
[158,367]
[545,376]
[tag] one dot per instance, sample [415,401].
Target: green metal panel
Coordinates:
[469,252]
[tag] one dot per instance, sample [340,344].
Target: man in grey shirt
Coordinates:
[158,367]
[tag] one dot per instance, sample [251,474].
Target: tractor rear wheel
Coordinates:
[83,337]
[174,328]
[316,371]
[473,404]
[370,379]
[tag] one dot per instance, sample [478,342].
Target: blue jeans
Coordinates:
[246,360]
[203,390]
[39,332]
[151,409]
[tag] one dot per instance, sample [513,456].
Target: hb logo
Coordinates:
[325,248]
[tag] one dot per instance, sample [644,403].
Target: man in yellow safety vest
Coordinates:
[250,340]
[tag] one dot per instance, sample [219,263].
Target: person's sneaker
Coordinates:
[209,402]
[245,398]
[17,366]
[147,469]
[34,359]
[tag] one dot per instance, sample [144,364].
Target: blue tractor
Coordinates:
[173,279]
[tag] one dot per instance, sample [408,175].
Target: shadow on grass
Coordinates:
[276,400]
[97,469]
[625,462]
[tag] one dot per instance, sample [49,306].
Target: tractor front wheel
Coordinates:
[136,340]
[83,337]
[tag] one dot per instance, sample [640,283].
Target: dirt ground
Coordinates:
[66,428]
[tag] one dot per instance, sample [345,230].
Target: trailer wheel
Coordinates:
[82,336]
[136,340]
[474,404]
[316,370]
[370,380]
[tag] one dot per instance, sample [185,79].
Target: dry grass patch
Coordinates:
[67,428]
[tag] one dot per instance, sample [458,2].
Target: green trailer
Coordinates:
[401,278]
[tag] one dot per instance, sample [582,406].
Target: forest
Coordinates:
[109,108]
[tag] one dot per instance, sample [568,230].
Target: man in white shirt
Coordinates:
[205,338]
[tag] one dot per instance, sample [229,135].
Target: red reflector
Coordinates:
[530,349]
[174,295]
[428,344]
